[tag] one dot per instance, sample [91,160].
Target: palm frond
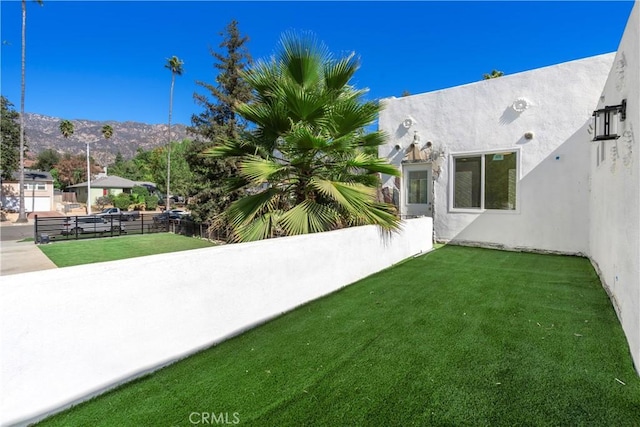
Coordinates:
[373,139]
[303,104]
[302,139]
[371,163]
[337,74]
[308,217]
[226,149]
[260,228]
[262,76]
[243,211]
[350,196]
[258,170]
[349,116]
[302,56]
[358,202]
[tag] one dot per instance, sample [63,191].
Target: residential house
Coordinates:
[105,185]
[38,192]
[524,162]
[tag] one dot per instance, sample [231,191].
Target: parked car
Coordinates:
[180,212]
[120,214]
[91,224]
[162,199]
[166,216]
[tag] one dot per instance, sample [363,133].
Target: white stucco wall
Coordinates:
[553,188]
[615,191]
[73,332]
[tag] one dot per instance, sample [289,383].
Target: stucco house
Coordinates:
[543,160]
[105,185]
[38,192]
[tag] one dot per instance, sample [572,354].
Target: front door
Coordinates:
[417,191]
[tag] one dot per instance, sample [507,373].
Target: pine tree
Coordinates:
[217,123]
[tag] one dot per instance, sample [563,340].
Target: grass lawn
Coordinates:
[459,336]
[76,252]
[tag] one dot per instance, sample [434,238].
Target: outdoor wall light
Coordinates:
[438,153]
[606,121]
[416,138]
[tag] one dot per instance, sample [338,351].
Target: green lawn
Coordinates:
[76,252]
[460,336]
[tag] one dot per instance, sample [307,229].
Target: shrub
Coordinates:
[151,202]
[103,201]
[139,194]
[122,201]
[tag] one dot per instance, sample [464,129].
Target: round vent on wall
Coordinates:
[408,122]
[520,104]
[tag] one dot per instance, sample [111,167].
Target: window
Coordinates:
[38,186]
[485,181]
[417,187]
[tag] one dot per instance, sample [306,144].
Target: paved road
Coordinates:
[15,232]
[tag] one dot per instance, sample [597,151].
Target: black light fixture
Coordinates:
[606,121]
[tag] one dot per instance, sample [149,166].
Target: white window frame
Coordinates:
[39,186]
[408,189]
[481,154]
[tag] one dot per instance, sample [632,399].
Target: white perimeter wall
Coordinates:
[553,189]
[73,332]
[615,191]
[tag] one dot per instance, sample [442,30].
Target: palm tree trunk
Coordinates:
[173,80]
[21,215]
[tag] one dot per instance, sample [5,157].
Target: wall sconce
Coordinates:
[416,138]
[606,121]
[437,154]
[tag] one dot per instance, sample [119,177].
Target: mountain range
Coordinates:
[42,132]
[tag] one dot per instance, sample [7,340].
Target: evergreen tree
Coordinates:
[218,122]
[47,159]
[10,139]
[181,177]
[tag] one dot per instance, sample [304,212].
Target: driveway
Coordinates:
[20,257]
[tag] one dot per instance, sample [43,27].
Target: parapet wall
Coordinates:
[72,333]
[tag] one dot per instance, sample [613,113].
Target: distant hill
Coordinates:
[43,132]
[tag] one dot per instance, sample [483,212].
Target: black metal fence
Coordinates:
[63,228]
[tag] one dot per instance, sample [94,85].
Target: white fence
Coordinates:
[74,332]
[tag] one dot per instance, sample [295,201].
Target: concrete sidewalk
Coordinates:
[22,257]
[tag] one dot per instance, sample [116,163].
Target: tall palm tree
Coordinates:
[174,64]
[66,128]
[22,217]
[107,131]
[308,165]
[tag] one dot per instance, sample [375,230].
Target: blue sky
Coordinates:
[105,60]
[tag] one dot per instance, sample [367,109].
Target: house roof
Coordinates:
[29,175]
[111,181]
